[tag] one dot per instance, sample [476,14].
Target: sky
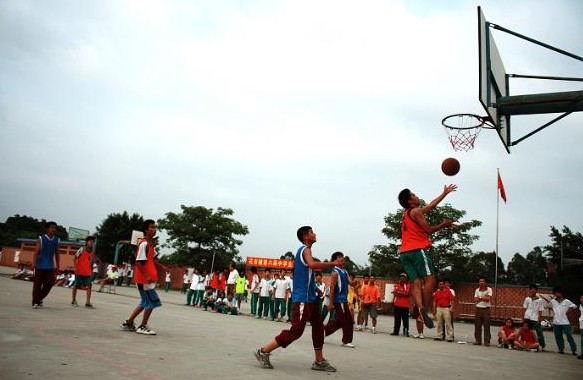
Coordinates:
[288,112]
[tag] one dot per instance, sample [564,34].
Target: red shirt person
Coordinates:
[402,303]
[83,272]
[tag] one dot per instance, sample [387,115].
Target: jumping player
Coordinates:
[305,305]
[146,277]
[83,269]
[339,302]
[414,241]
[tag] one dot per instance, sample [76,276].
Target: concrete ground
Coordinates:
[62,342]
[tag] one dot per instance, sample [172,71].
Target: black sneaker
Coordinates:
[74,304]
[426,319]
[263,359]
[89,306]
[323,366]
[127,326]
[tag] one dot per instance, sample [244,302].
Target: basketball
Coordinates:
[450,166]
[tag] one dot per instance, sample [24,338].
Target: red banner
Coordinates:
[263,262]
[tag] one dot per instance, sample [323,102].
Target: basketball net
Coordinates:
[462,130]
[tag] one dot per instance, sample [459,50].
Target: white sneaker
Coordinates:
[145,330]
[373,330]
[415,336]
[421,336]
[358,328]
[347,345]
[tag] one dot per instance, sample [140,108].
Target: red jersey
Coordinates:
[404,300]
[223,282]
[145,254]
[370,294]
[412,235]
[214,283]
[443,298]
[508,330]
[83,266]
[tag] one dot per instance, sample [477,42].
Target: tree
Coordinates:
[114,228]
[198,233]
[482,264]
[451,246]
[25,227]
[527,270]
[566,252]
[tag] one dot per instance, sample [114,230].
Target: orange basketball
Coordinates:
[450,166]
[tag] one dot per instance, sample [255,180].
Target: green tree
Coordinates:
[451,246]
[566,252]
[25,227]
[482,264]
[114,228]
[197,233]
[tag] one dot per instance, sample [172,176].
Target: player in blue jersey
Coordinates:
[304,305]
[339,302]
[44,261]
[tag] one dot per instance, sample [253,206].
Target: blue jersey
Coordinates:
[304,285]
[48,250]
[341,288]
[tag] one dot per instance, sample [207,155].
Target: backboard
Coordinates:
[493,81]
[136,236]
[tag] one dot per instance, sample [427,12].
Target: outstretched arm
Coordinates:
[446,190]
[418,216]
[312,264]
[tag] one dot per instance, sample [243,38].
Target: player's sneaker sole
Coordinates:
[263,359]
[426,318]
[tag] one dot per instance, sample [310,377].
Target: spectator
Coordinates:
[361,323]
[185,281]
[526,339]
[82,263]
[279,293]
[351,297]
[229,305]
[264,295]
[507,335]
[320,289]
[401,305]
[168,281]
[482,297]
[371,300]
[272,296]
[223,280]
[200,287]
[208,298]
[61,279]
[254,289]
[122,271]
[214,281]
[290,290]
[20,273]
[533,311]
[111,278]
[130,276]
[191,295]
[70,280]
[94,270]
[581,325]
[232,279]
[240,289]
[562,307]
[442,306]
[447,283]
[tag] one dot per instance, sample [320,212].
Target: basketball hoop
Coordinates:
[463,128]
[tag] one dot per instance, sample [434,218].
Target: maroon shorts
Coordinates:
[303,313]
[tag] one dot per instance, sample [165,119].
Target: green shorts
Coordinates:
[417,264]
[83,281]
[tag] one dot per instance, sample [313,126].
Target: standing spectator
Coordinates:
[507,334]
[168,281]
[122,274]
[223,280]
[442,306]
[240,289]
[130,276]
[526,339]
[339,301]
[44,261]
[533,311]
[320,289]
[279,292]
[290,290]
[232,278]
[272,296]
[402,292]
[371,300]
[82,264]
[200,287]
[361,323]
[185,281]
[146,277]
[191,295]
[214,281]
[447,283]
[562,307]
[581,325]
[264,295]
[254,289]
[482,297]
[95,270]
[351,297]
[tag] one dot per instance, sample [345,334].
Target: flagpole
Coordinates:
[497,233]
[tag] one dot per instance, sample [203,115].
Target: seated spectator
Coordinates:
[526,339]
[209,298]
[61,278]
[20,273]
[70,280]
[507,335]
[229,305]
[111,278]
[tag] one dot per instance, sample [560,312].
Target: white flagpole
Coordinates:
[497,232]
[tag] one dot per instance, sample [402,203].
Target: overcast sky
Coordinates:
[288,112]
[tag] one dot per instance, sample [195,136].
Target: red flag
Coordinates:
[501,188]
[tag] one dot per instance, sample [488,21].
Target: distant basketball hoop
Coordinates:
[462,130]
